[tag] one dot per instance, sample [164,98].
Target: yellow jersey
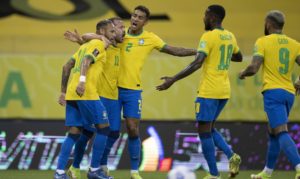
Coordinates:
[279,53]
[218,45]
[107,86]
[134,50]
[96,50]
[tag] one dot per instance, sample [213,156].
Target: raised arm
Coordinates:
[194,66]
[87,60]
[90,36]
[253,68]
[238,57]
[74,37]
[178,51]
[64,80]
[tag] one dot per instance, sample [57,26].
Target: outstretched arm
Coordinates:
[253,68]
[238,57]
[64,80]
[178,51]
[195,65]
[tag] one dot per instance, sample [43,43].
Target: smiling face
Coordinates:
[138,20]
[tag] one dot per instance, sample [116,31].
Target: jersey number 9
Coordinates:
[284,55]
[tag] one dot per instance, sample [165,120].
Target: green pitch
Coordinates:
[124,174]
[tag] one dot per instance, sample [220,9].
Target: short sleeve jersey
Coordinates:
[107,85]
[94,49]
[279,53]
[134,51]
[218,45]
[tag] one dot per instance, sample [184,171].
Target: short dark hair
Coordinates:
[217,10]
[143,9]
[113,19]
[277,17]
[103,24]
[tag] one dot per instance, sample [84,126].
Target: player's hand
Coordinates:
[62,99]
[297,87]
[241,76]
[169,81]
[72,36]
[80,88]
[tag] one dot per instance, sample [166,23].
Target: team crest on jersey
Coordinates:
[141,41]
[96,52]
[202,44]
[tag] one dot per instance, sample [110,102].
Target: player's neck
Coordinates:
[217,26]
[276,31]
[221,28]
[135,32]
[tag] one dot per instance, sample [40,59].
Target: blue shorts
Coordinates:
[85,113]
[277,105]
[208,109]
[131,103]
[114,113]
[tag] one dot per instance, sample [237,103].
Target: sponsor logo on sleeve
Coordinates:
[96,52]
[202,44]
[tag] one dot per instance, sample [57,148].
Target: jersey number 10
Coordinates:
[226,53]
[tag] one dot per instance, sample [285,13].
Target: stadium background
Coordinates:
[33,50]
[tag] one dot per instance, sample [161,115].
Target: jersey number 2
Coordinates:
[128,47]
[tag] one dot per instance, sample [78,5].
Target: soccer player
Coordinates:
[108,90]
[277,53]
[83,106]
[217,47]
[137,45]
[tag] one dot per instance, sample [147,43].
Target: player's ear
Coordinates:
[146,22]
[213,18]
[268,23]
[102,31]
[98,31]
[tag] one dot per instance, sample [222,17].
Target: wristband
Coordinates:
[82,78]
